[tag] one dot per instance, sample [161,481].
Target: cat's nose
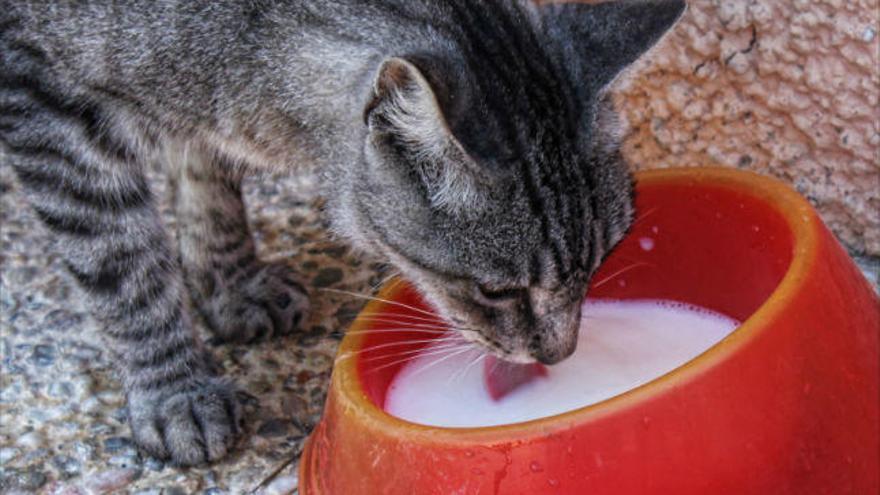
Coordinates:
[558,338]
[554,354]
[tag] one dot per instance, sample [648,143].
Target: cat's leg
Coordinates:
[83,180]
[241,298]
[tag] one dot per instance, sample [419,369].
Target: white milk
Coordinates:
[622,344]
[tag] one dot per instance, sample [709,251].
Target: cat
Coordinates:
[472,144]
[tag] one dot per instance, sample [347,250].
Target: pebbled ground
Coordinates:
[62,414]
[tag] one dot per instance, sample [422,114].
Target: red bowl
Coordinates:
[786,404]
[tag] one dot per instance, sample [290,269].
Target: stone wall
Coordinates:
[782,87]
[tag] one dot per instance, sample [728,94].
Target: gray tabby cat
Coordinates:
[471,143]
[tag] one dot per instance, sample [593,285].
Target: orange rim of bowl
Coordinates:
[798,215]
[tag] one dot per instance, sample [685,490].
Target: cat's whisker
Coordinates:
[435,319]
[380,283]
[442,359]
[418,319]
[422,325]
[396,282]
[628,258]
[397,330]
[415,319]
[401,343]
[494,366]
[619,273]
[392,344]
[441,329]
[452,376]
[410,358]
[446,346]
[645,215]
[414,324]
[478,362]
[374,298]
[455,373]
[464,371]
[399,361]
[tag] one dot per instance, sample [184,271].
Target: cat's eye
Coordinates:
[495,294]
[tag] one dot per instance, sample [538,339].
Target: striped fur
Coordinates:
[470,143]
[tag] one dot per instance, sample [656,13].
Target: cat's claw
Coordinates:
[189,427]
[269,303]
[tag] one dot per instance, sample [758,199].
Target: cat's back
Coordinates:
[101,37]
[101,41]
[311,57]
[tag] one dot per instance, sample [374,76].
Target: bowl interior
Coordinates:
[698,243]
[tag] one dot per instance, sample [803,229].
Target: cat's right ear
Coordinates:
[404,103]
[404,109]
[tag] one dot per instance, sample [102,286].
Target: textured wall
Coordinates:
[783,87]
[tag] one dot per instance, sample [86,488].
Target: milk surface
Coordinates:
[622,344]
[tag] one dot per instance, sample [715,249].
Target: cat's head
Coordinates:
[491,175]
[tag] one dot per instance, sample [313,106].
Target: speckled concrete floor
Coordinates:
[62,416]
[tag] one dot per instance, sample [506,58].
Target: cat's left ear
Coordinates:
[405,107]
[601,39]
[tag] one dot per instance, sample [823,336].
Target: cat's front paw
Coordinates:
[196,425]
[267,303]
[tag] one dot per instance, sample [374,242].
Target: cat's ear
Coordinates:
[405,108]
[602,39]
